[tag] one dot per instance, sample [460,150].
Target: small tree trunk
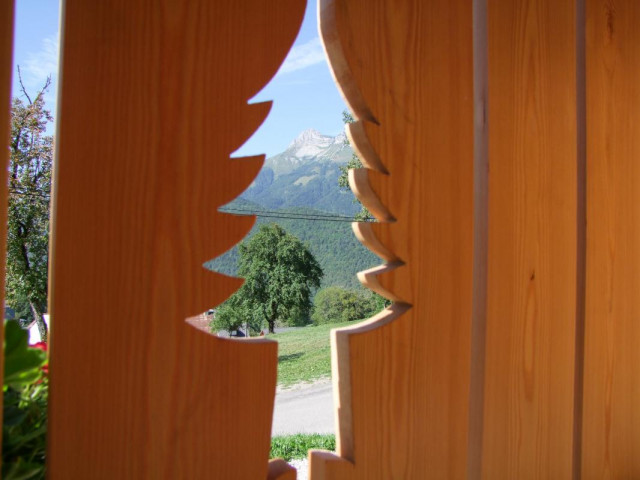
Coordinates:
[272,325]
[42,327]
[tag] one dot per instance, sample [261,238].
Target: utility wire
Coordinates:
[295,216]
[263,213]
[278,212]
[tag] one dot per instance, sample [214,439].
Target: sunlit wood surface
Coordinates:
[611,416]
[532,249]
[153,101]
[504,175]
[402,379]
[6,54]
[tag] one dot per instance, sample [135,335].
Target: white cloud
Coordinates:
[303,56]
[39,65]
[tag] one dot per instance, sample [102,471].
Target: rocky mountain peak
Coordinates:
[308,143]
[305,175]
[311,143]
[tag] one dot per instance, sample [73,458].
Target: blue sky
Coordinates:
[303,91]
[36,45]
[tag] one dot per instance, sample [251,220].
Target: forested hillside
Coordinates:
[313,185]
[332,243]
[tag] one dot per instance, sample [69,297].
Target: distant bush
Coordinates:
[336,304]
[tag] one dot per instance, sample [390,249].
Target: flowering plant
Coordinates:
[26,391]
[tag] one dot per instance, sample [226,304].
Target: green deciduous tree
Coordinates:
[31,153]
[280,275]
[234,314]
[336,304]
[343,180]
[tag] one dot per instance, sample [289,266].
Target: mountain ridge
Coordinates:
[305,174]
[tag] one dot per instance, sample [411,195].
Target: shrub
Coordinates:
[336,304]
[24,430]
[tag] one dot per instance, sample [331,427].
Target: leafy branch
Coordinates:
[343,181]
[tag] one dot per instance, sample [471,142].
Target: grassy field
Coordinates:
[304,353]
[296,446]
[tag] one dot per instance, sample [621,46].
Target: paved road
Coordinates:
[304,409]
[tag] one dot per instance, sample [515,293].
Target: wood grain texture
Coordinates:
[153,101]
[531,296]
[480,238]
[611,413]
[6,55]
[281,470]
[405,69]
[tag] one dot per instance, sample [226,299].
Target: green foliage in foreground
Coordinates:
[289,447]
[304,354]
[24,429]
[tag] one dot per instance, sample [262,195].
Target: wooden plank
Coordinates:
[611,418]
[406,70]
[6,54]
[153,101]
[281,470]
[531,297]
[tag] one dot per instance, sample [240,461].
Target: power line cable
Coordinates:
[278,212]
[287,214]
[262,213]
[305,217]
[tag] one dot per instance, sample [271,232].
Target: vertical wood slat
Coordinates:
[153,102]
[406,70]
[611,416]
[6,54]
[480,238]
[531,303]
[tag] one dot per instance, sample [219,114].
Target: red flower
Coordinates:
[42,346]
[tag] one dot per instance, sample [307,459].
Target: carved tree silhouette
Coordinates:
[405,73]
[153,101]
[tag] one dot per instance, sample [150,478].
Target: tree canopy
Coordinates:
[280,274]
[31,153]
[234,314]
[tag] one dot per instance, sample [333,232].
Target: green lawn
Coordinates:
[304,354]
[289,447]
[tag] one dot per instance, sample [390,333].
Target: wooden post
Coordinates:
[531,291]
[6,54]
[611,417]
[402,378]
[153,101]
